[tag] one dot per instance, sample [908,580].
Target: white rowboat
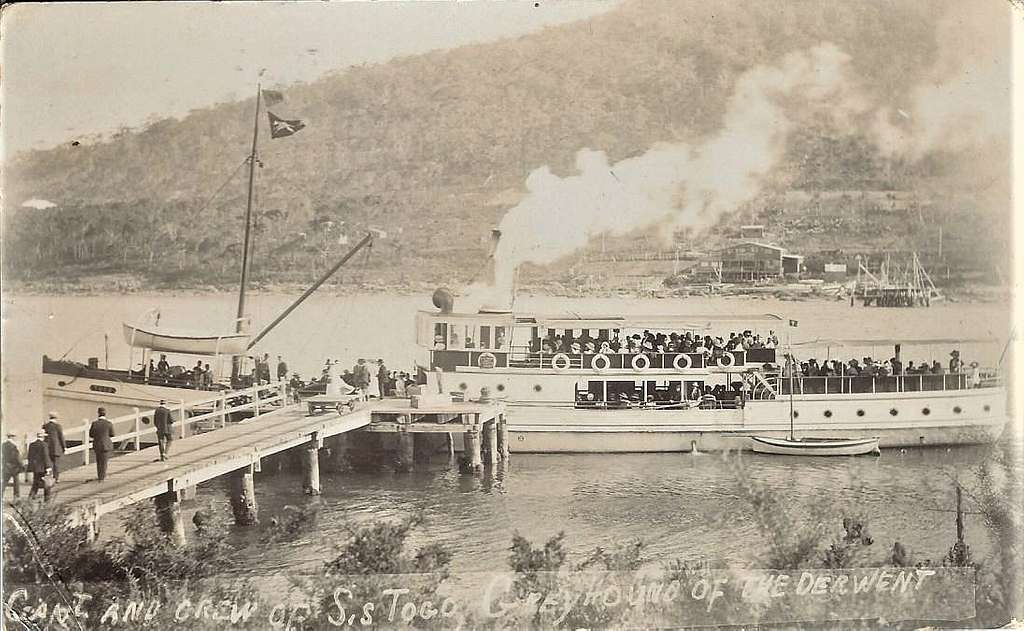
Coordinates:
[168,342]
[815,446]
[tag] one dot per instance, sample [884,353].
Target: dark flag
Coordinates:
[272,97]
[793,323]
[279,127]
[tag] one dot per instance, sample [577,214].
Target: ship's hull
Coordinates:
[966,417]
[77,398]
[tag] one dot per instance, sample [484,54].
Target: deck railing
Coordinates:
[214,409]
[870,385]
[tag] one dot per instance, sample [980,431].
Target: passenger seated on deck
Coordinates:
[955,365]
[590,348]
[547,347]
[936,368]
[438,342]
[575,348]
[606,347]
[616,342]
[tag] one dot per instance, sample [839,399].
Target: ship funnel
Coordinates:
[443,299]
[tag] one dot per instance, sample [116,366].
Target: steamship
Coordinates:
[659,402]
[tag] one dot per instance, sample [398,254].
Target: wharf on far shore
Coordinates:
[237,449]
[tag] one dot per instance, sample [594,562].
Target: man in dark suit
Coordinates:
[39,463]
[55,443]
[163,421]
[101,432]
[11,464]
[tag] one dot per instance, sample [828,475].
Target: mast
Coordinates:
[236,361]
[792,369]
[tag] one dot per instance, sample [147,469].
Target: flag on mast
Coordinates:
[280,128]
[272,97]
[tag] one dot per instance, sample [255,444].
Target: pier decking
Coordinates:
[238,448]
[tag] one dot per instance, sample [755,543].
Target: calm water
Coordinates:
[682,505]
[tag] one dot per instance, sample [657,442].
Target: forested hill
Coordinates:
[434,148]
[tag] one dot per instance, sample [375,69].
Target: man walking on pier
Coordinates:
[39,463]
[55,443]
[163,421]
[11,464]
[101,432]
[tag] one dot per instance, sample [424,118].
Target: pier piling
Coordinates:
[243,497]
[168,511]
[491,442]
[311,470]
[406,450]
[471,447]
[503,446]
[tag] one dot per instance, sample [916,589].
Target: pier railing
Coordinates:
[213,410]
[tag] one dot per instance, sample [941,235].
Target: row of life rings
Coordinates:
[639,363]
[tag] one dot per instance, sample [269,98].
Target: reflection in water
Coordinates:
[682,506]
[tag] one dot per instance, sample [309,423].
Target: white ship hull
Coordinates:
[76,398]
[932,418]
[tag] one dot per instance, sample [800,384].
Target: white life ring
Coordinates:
[487,361]
[605,362]
[560,361]
[682,362]
[641,362]
[727,360]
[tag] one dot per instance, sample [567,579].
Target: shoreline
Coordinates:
[816,291]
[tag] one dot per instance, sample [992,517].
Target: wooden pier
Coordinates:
[237,449]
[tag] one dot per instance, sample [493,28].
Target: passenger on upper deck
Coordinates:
[955,365]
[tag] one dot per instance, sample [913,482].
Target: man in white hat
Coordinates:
[55,442]
[39,463]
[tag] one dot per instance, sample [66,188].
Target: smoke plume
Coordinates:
[672,185]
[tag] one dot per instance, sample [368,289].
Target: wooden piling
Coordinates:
[490,442]
[471,449]
[168,513]
[243,498]
[311,470]
[503,446]
[450,440]
[406,450]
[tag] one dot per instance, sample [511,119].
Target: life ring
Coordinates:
[641,362]
[487,361]
[605,362]
[560,361]
[682,362]
[727,360]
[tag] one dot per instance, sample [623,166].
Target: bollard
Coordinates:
[243,498]
[138,429]
[311,470]
[168,513]
[491,442]
[471,448]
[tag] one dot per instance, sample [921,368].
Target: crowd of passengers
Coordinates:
[650,342]
[706,396]
[869,367]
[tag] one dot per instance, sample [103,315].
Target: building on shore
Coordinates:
[751,261]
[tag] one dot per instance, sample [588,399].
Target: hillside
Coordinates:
[435,148]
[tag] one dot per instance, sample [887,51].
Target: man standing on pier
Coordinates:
[163,422]
[382,378]
[101,432]
[282,369]
[11,464]
[55,443]
[39,463]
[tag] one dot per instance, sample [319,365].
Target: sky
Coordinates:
[74,69]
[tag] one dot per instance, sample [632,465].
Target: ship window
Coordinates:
[894,412]
[103,389]
[440,335]
[828,413]
[957,410]
[501,387]
[499,337]
[987,407]
[485,336]
[537,388]
[860,412]
[463,386]
[468,337]
[796,414]
[926,411]
[145,420]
